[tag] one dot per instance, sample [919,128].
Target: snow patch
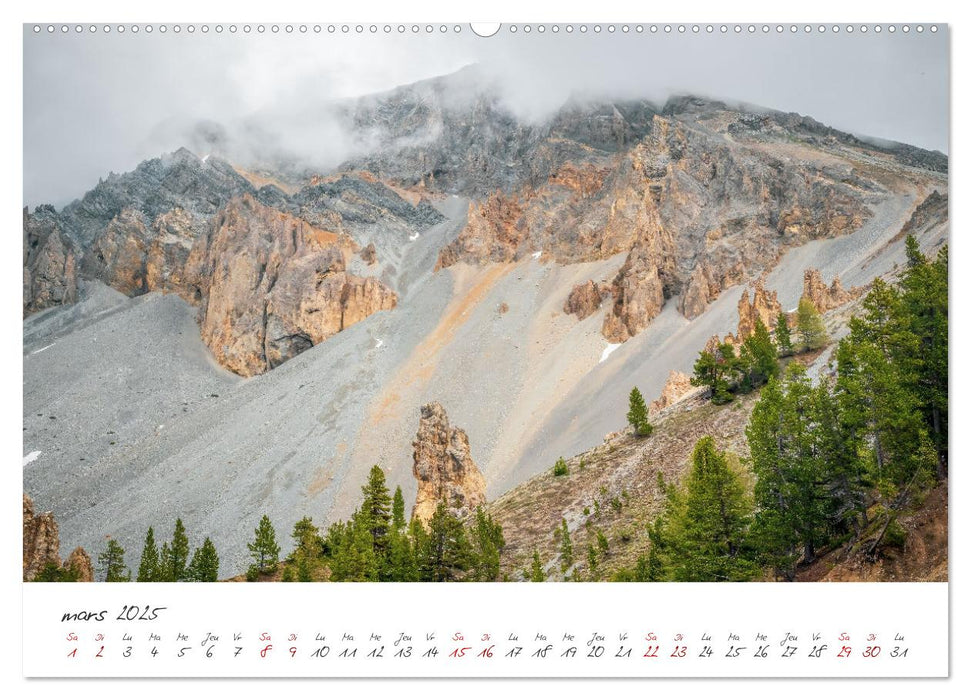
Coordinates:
[380,343]
[42,349]
[31,457]
[537,254]
[205,158]
[609,350]
[414,237]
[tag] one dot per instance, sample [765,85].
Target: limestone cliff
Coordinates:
[699,203]
[271,285]
[50,265]
[444,468]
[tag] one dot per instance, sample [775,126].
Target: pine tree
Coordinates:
[783,339]
[560,468]
[763,363]
[112,562]
[448,554]
[810,328]
[264,550]
[792,486]
[307,551]
[717,372]
[148,569]
[376,508]
[205,563]
[165,563]
[877,378]
[402,564]
[707,521]
[566,547]
[398,522]
[924,308]
[536,574]
[592,560]
[487,542]
[178,553]
[354,558]
[637,414]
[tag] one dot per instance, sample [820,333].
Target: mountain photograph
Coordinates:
[436,331]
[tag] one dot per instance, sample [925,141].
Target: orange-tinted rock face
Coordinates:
[699,292]
[585,299]
[493,233]
[271,286]
[41,542]
[79,564]
[694,212]
[677,385]
[764,307]
[825,298]
[42,547]
[444,468]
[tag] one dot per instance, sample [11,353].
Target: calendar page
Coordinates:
[556,350]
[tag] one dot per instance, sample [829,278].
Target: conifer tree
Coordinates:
[178,552]
[810,328]
[876,385]
[354,558]
[637,414]
[717,372]
[398,522]
[165,563]
[924,308]
[707,521]
[592,560]
[205,563]
[487,542]
[376,509]
[264,550]
[307,550]
[402,564]
[536,573]
[112,562]
[763,363]
[448,551]
[792,479]
[148,568]
[783,339]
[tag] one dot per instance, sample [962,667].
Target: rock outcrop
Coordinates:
[677,385]
[444,468]
[369,254]
[267,291]
[41,541]
[764,307]
[825,298]
[50,264]
[79,564]
[42,546]
[585,299]
[665,204]
[271,286]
